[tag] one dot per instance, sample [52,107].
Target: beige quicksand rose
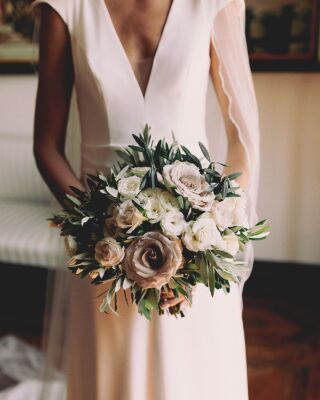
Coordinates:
[108,252]
[189,182]
[127,216]
[152,259]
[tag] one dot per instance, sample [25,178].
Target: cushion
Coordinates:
[19,176]
[26,238]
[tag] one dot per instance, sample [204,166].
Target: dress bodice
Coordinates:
[112,103]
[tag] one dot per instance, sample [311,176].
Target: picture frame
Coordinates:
[283,35]
[18,51]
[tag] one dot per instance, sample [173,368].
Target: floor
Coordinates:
[282,327]
[282,324]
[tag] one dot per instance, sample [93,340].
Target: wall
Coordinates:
[290,187]
[289,192]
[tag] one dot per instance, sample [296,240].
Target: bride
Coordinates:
[131,63]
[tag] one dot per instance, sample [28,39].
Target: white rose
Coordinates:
[240,212]
[149,199]
[139,171]
[231,242]
[129,187]
[168,201]
[202,234]
[173,223]
[240,217]
[230,212]
[223,212]
[190,183]
[154,209]
[128,216]
[146,194]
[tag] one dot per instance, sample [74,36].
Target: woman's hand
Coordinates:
[169,300]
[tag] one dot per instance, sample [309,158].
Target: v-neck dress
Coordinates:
[126,357]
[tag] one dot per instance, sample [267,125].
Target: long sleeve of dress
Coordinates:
[229,41]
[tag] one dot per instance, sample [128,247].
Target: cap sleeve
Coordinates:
[221,4]
[60,6]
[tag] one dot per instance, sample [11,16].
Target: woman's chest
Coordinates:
[139,24]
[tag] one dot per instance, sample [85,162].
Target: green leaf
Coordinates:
[146,134]
[103,178]
[181,202]
[261,222]
[77,191]
[84,220]
[138,206]
[112,191]
[233,176]
[212,280]
[157,150]
[136,148]
[203,265]
[222,253]
[204,151]
[73,199]
[191,267]
[152,299]
[104,306]
[125,156]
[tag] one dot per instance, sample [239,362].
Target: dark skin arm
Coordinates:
[56,79]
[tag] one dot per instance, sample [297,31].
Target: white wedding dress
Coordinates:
[201,356]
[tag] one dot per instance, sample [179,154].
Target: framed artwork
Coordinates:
[283,35]
[18,52]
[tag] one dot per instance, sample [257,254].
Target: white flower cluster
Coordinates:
[161,206]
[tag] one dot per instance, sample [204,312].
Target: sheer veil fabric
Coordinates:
[168,338]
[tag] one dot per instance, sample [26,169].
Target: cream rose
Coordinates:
[152,259]
[173,223]
[168,201]
[149,199]
[230,212]
[154,210]
[149,193]
[139,171]
[223,212]
[127,216]
[108,252]
[202,234]
[129,187]
[231,242]
[190,183]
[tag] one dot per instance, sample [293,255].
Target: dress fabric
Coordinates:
[126,357]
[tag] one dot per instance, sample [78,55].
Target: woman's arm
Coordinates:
[54,91]
[236,155]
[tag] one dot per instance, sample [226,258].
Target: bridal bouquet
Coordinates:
[162,221]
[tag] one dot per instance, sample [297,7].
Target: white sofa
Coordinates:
[25,203]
